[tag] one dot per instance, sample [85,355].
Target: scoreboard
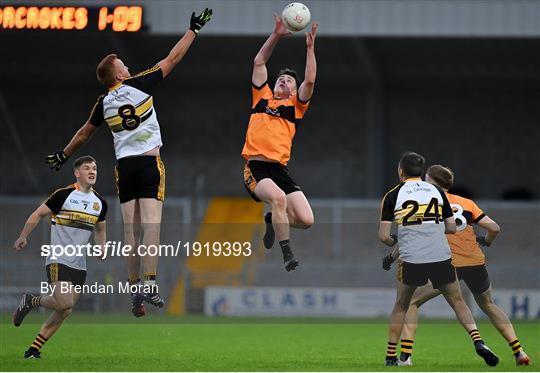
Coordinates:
[117,19]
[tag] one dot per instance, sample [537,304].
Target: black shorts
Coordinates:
[476,278]
[418,274]
[140,177]
[255,171]
[62,272]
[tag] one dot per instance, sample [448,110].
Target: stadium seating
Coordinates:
[476,89]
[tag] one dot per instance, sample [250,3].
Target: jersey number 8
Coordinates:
[130,120]
[431,213]
[461,220]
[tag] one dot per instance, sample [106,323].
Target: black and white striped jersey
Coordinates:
[419,209]
[128,110]
[74,216]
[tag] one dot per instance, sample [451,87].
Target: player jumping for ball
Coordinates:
[423,215]
[275,116]
[127,109]
[470,263]
[75,211]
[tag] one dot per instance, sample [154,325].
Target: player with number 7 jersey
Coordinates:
[127,108]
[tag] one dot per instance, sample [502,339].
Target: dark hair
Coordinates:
[292,73]
[443,176]
[105,70]
[82,160]
[412,164]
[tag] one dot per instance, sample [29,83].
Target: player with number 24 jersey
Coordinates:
[423,216]
[470,263]
[418,208]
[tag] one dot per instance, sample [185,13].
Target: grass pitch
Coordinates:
[165,343]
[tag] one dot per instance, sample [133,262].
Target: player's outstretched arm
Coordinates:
[59,157]
[492,229]
[179,50]
[306,88]
[384,233]
[31,223]
[260,74]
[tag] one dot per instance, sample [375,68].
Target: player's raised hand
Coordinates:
[310,36]
[198,22]
[56,159]
[19,244]
[279,27]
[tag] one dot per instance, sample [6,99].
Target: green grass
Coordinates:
[162,343]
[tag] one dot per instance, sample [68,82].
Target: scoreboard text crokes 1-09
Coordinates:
[118,18]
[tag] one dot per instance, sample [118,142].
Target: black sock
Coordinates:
[391,351]
[38,343]
[515,346]
[268,218]
[475,336]
[134,281]
[406,349]
[36,301]
[150,279]
[286,249]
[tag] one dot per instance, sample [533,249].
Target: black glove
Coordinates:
[394,237]
[56,160]
[482,241]
[387,262]
[197,22]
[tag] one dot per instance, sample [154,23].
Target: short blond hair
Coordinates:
[106,71]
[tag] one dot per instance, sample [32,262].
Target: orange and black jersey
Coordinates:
[272,125]
[465,250]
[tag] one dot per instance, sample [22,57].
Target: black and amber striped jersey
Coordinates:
[74,216]
[465,250]
[128,110]
[272,124]
[419,209]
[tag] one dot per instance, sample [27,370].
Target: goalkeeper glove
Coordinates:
[56,160]
[482,241]
[387,262]
[197,22]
